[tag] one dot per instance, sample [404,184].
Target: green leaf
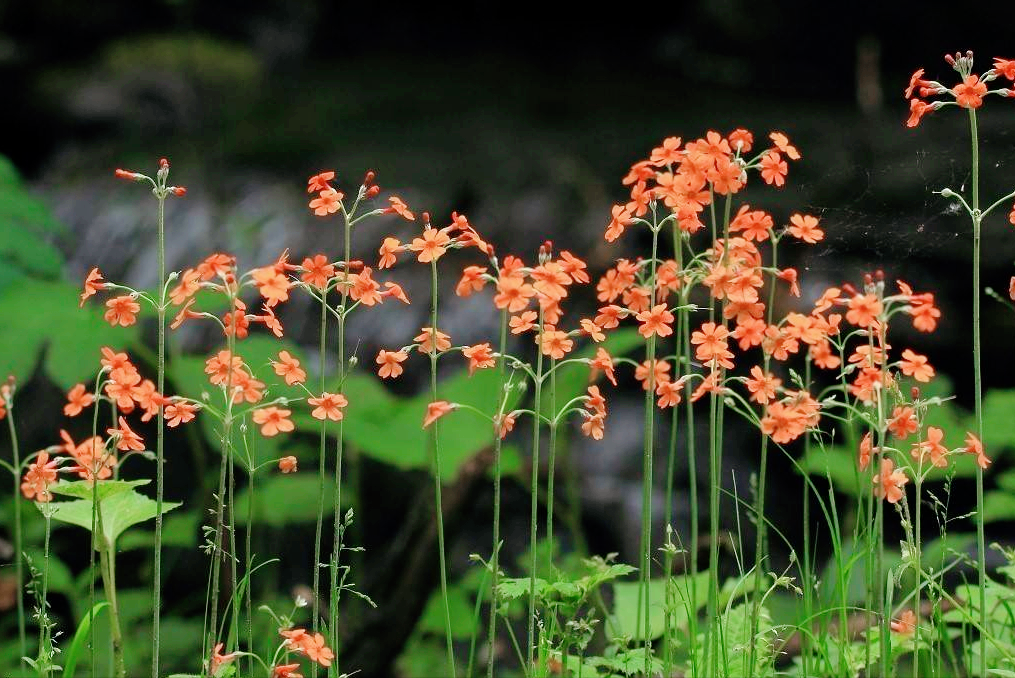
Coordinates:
[626,618]
[82,489]
[28,229]
[998,506]
[80,640]
[513,588]
[281,499]
[47,315]
[118,512]
[432,620]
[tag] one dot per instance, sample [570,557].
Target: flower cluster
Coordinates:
[967,93]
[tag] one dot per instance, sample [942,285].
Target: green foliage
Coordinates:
[80,640]
[48,317]
[27,231]
[119,507]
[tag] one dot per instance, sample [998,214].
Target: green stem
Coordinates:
[337,535]
[107,559]
[534,490]
[495,552]
[19,573]
[435,446]
[160,442]
[978,386]
[322,454]
[645,568]
[251,507]
[551,462]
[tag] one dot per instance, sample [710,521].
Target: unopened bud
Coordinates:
[373,191]
[947,193]
[369,178]
[914,392]
[867,279]
[879,275]
[163,163]
[426,219]
[179,190]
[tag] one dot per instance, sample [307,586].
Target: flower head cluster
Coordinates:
[968,92]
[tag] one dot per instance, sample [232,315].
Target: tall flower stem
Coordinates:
[322,454]
[435,447]
[551,462]
[160,440]
[336,546]
[646,496]
[978,386]
[534,489]
[107,560]
[495,552]
[19,572]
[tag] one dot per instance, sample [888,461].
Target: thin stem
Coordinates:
[552,460]
[19,573]
[534,490]
[495,552]
[647,454]
[320,475]
[435,446]
[160,441]
[978,386]
[107,559]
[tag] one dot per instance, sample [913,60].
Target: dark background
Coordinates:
[525,117]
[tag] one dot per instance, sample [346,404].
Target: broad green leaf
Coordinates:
[283,499]
[998,506]
[27,231]
[82,489]
[511,588]
[629,620]
[432,620]
[118,512]
[47,316]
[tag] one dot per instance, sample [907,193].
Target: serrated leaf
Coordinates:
[118,512]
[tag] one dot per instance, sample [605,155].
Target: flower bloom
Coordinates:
[287,464]
[311,645]
[655,321]
[905,625]
[480,357]
[179,412]
[93,283]
[425,339]
[554,343]
[863,310]
[273,421]
[762,386]
[400,208]
[888,483]
[916,366]
[218,659]
[903,422]
[40,475]
[327,202]
[286,671]
[319,182]
[774,169]
[974,446]
[472,281]
[328,406]
[805,227]
[435,411]
[969,93]
[661,373]
[77,399]
[603,361]
[431,246]
[866,448]
[390,363]
[122,311]
[128,439]
[289,367]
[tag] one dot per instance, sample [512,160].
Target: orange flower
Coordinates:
[513,293]
[783,423]
[389,250]
[190,283]
[273,421]
[656,321]
[127,439]
[400,208]
[289,367]
[77,400]
[554,343]
[436,410]
[620,219]
[218,368]
[969,93]
[932,445]
[669,393]
[472,281]
[608,317]
[506,426]
[40,475]
[1005,67]
[918,109]
[749,332]
[974,446]
[550,280]
[916,366]
[863,310]
[925,315]
[480,357]
[287,464]
[122,311]
[311,645]
[661,373]
[319,182]
[425,340]
[805,227]
[389,362]
[866,448]
[905,625]
[272,285]
[328,406]
[592,330]
[754,225]
[179,412]
[431,246]
[903,422]
[709,384]
[594,426]
[218,659]
[762,386]
[774,169]
[782,143]
[327,202]
[603,361]
[286,671]
[595,400]
[364,288]
[888,483]
[317,271]
[394,290]
[574,267]
[93,283]
[710,341]
[216,265]
[741,140]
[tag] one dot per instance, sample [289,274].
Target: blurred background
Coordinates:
[523,117]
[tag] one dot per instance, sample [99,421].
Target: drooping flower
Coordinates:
[93,283]
[127,439]
[40,475]
[289,367]
[179,412]
[974,446]
[888,483]
[77,400]
[389,362]
[480,357]
[435,411]
[425,339]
